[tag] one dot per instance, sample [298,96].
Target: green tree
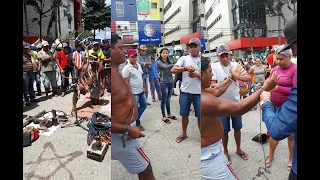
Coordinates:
[274,8]
[96,15]
[38,6]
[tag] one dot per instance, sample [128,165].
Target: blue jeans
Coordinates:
[28,92]
[38,81]
[146,80]
[166,91]
[65,79]
[141,102]
[155,85]
[185,102]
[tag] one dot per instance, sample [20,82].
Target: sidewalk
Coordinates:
[63,155]
[169,160]
[181,161]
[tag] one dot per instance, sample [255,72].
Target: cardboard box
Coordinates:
[97,153]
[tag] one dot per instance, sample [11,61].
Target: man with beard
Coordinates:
[126,147]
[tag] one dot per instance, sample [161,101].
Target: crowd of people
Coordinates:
[214,91]
[88,64]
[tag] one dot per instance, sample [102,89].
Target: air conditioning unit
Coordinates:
[122,27]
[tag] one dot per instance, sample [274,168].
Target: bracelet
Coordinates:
[263,88]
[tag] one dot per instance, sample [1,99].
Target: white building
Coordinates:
[225,23]
[178,19]
[218,17]
[58,27]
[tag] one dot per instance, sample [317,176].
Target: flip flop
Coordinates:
[173,117]
[167,121]
[181,138]
[243,155]
[289,166]
[229,159]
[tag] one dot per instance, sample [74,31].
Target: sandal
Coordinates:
[229,159]
[269,162]
[243,155]
[181,138]
[173,118]
[166,121]
[289,166]
[73,112]
[141,128]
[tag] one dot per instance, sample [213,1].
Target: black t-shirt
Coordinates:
[107,54]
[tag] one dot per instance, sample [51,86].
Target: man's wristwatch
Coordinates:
[264,100]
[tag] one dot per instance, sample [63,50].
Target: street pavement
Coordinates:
[63,154]
[181,161]
[169,160]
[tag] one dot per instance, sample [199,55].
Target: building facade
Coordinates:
[59,26]
[244,26]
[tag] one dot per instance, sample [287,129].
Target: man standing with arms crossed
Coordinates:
[145,62]
[125,147]
[190,65]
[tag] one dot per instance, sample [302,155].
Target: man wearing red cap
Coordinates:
[132,74]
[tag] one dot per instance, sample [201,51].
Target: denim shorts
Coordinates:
[185,102]
[236,123]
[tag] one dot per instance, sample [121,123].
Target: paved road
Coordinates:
[63,154]
[180,161]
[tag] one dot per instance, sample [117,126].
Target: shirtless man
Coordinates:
[89,81]
[214,164]
[125,147]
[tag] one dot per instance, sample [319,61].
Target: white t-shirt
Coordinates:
[232,93]
[190,85]
[134,73]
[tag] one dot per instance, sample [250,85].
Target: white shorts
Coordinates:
[214,164]
[131,156]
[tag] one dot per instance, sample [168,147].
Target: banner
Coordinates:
[123,10]
[148,10]
[149,32]
[203,43]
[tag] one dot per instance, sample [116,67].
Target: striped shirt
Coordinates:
[78,57]
[27,63]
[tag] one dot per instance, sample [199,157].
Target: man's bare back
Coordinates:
[122,100]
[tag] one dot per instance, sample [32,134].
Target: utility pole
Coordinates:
[251,42]
[69,21]
[279,32]
[26,21]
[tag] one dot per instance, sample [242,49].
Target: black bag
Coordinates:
[99,123]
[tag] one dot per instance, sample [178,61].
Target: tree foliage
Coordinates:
[38,6]
[274,7]
[96,15]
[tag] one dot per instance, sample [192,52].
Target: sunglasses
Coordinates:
[133,56]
